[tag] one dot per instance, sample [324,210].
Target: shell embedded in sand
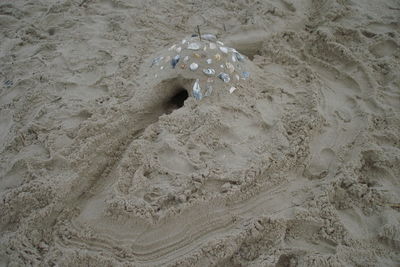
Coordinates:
[220,63]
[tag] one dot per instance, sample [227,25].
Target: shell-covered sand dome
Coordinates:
[205,61]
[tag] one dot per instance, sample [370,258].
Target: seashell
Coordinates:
[225,77]
[209,37]
[185,59]
[237,77]
[156,61]
[193,46]
[233,58]
[183,66]
[196,55]
[232,89]
[209,61]
[175,61]
[230,67]
[205,48]
[183,41]
[209,90]
[245,75]
[193,66]
[213,46]
[178,49]
[197,90]
[209,72]
[172,47]
[223,49]
[162,67]
[217,57]
[239,56]
[220,43]
[222,66]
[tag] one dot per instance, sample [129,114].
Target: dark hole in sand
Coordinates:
[51,31]
[177,101]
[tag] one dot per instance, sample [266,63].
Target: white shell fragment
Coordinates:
[209,37]
[193,66]
[233,58]
[209,61]
[239,56]
[225,77]
[197,90]
[209,72]
[156,61]
[232,89]
[209,90]
[220,43]
[172,47]
[213,46]
[230,67]
[223,49]
[193,46]
[237,77]
[183,41]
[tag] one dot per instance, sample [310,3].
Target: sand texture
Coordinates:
[299,166]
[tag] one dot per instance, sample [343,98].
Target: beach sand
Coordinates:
[300,166]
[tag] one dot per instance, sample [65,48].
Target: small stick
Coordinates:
[224,27]
[198,30]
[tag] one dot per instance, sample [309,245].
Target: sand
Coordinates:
[297,167]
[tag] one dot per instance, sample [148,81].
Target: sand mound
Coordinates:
[298,167]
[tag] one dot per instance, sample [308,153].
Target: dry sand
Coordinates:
[300,167]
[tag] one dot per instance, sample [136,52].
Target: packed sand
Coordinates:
[299,166]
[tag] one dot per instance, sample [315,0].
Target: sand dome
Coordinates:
[204,62]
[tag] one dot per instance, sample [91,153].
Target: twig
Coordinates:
[198,30]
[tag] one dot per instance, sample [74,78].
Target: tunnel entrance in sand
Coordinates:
[178,99]
[172,94]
